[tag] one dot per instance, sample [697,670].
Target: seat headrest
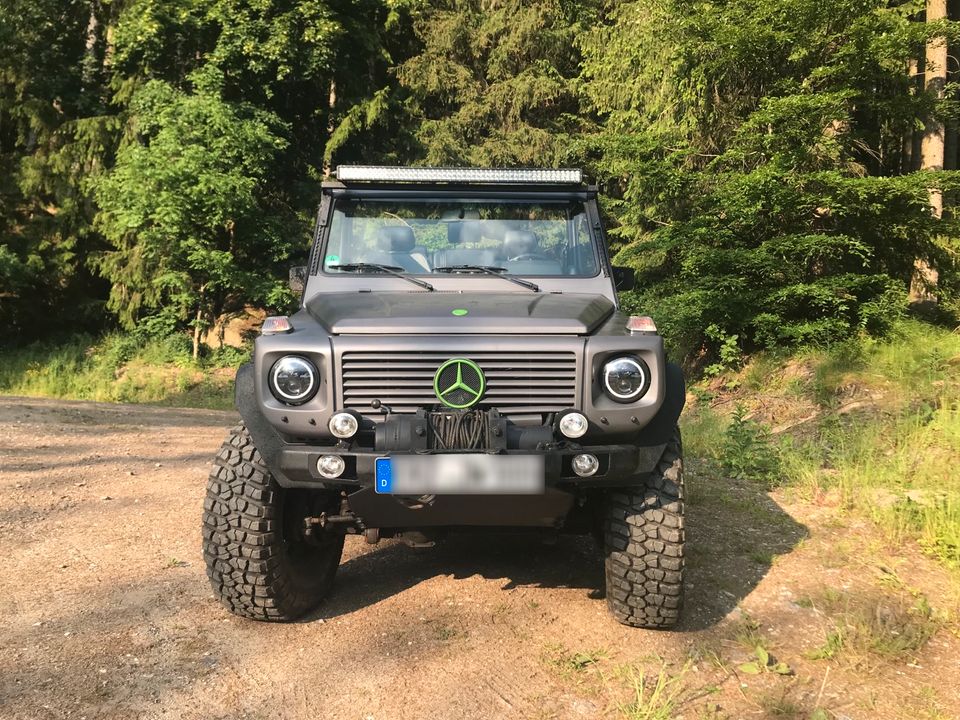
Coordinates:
[471,232]
[519,242]
[396,238]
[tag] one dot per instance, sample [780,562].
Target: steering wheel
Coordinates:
[531,256]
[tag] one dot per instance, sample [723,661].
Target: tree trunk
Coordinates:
[196,333]
[331,125]
[909,152]
[198,323]
[932,148]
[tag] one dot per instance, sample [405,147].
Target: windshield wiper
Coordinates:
[388,269]
[489,270]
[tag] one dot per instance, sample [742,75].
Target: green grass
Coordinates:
[888,625]
[876,423]
[653,696]
[121,368]
[567,661]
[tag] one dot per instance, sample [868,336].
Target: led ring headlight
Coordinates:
[293,380]
[625,378]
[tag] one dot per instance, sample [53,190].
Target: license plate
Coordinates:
[460,473]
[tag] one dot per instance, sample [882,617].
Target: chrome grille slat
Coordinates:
[518,383]
[377,385]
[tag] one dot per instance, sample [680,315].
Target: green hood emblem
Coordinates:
[459,383]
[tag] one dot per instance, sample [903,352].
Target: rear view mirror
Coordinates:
[624,278]
[298,280]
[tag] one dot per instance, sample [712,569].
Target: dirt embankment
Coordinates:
[108,614]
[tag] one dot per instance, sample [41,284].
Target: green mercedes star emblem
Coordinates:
[459,383]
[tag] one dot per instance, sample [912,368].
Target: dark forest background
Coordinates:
[778,172]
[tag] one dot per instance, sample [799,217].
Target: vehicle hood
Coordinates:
[432,313]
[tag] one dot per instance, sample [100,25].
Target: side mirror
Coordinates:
[298,280]
[624,278]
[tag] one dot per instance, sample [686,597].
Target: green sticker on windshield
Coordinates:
[333,259]
[460,312]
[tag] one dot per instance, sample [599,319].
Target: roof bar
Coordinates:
[375,173]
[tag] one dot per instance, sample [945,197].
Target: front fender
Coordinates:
[267,440]
[659,430]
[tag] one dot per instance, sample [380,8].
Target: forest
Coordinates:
[778,172]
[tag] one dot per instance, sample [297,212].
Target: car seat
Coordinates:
[524,256]
[397,246]
[470,233]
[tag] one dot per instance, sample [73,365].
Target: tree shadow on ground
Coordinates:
[734,533]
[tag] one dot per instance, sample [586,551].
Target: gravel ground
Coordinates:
[109,614]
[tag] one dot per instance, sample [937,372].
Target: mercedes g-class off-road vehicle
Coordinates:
[458,359]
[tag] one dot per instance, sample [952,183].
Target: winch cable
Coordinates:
[460,430]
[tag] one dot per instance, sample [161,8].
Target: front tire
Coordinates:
[259,563]
[643,541]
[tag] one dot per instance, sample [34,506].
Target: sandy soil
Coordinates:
[107,612]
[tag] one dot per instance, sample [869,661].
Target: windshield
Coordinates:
[422,238]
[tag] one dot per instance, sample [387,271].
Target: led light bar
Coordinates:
[373,173]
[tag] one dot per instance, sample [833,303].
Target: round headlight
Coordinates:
[344,425]
[293,380]
[573,425]
[625,378]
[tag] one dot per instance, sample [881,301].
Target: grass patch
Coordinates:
[122,368]
[654,696]
[871,425]
[570,663]
[876,625]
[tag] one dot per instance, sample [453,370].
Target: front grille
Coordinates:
[518,383]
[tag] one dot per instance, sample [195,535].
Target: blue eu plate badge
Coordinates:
[384,475]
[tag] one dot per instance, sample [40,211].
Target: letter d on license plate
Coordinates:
[460,473]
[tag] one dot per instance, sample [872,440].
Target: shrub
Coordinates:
[748,451]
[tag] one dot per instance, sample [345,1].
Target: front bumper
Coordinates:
[619,465]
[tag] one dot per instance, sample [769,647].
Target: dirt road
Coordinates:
[107,612]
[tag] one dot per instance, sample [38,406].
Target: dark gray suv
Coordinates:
[458,359]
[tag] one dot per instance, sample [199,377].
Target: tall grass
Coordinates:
[876,423]
[121,368]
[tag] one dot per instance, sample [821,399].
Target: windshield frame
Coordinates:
[500,195]
[319,282]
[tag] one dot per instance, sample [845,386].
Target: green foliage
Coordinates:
[121,367]
[52,136]
[496,83]
[763,662]
[871,425]
[161,157]
[654,696]
[752,151]
[189,210]
[888,626]
[729,356]
[748,451]
[93,94]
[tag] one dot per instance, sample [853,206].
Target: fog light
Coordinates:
[343,425]
[585,465]
[573,425]
[331,466]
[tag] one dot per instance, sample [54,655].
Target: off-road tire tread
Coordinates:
[243,548]
[643,538]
